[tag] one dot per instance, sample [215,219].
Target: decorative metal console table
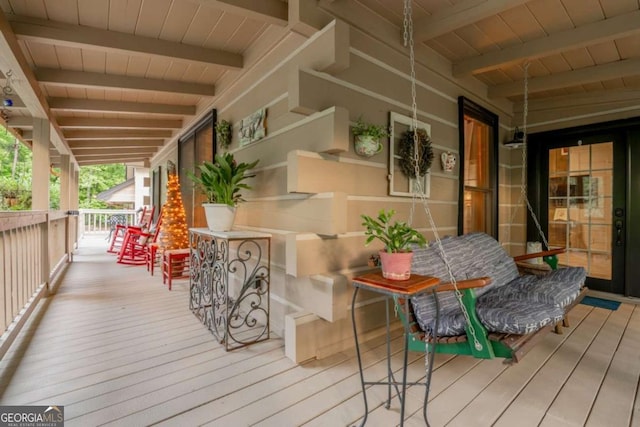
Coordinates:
[404,290]
[229,284]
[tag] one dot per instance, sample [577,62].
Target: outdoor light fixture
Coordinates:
[518,138]
[7,91]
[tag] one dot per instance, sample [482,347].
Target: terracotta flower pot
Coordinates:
[396,266]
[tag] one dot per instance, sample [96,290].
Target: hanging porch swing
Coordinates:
[483,308]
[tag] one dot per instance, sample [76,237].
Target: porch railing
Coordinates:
[99,220]
[35,247]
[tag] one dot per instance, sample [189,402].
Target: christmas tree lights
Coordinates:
[173,231]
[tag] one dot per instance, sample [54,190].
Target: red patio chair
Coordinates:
[137,242]
[119,232]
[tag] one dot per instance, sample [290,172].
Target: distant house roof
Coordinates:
[121,193]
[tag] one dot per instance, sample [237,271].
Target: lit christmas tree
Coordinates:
[173,231]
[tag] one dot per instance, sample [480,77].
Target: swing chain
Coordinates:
[417,184]
[523,187]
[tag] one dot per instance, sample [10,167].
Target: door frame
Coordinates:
[622,133]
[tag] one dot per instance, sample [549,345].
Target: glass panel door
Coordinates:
[581,204]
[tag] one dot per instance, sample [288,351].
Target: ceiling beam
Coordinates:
[269,11]
[111,159]
[91,122]
[612,70]
[604,98]
[63,34]
[101,80]
[96,105]
[116,133]
[461,14]
[21,122]
[83,153]
[97,144]
[597,32]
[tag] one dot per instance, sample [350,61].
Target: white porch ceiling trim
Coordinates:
[63,34]
[84,79]
[91,122]
[26,83]
[459,15]
[597,32]
[96,105]
[612,70]
[269,11]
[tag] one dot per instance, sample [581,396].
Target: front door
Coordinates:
[582,203]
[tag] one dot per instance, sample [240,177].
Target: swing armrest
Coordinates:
[479,282]
[539,254]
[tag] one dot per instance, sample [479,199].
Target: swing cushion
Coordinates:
[493,260]
[429,262]
[509,304]
[559,288]
[510,316]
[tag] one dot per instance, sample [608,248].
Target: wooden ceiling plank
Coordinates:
[270,11]
[62,10]
[459,15]
[123,15]
[80,122]
[59,33]
[604,30]
[76,104]
[627,67]
[83,79]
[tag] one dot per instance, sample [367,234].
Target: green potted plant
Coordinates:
[221,182]
[224,133]
[367,138]
[398,238]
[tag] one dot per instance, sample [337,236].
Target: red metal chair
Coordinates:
[120,230]
[136,244]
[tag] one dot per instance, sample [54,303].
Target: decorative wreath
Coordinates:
[406,152]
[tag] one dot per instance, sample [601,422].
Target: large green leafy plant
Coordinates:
[396,236]
[222,180]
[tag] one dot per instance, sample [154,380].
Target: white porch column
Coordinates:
[75,202]
[66,182]
[41,164]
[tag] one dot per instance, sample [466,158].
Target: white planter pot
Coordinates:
[219,216]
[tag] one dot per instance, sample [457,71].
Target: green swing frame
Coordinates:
[491,345]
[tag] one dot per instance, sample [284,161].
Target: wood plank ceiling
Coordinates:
[121,76]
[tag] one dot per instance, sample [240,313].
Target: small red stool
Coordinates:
[175,265]
[152,257]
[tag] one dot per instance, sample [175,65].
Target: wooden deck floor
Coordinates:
[116,348]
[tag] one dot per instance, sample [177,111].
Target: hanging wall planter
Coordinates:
[367,138]
[367,146]
[224,133]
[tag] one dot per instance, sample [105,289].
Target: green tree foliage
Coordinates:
[15,173]
[15,182]
[96,179]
